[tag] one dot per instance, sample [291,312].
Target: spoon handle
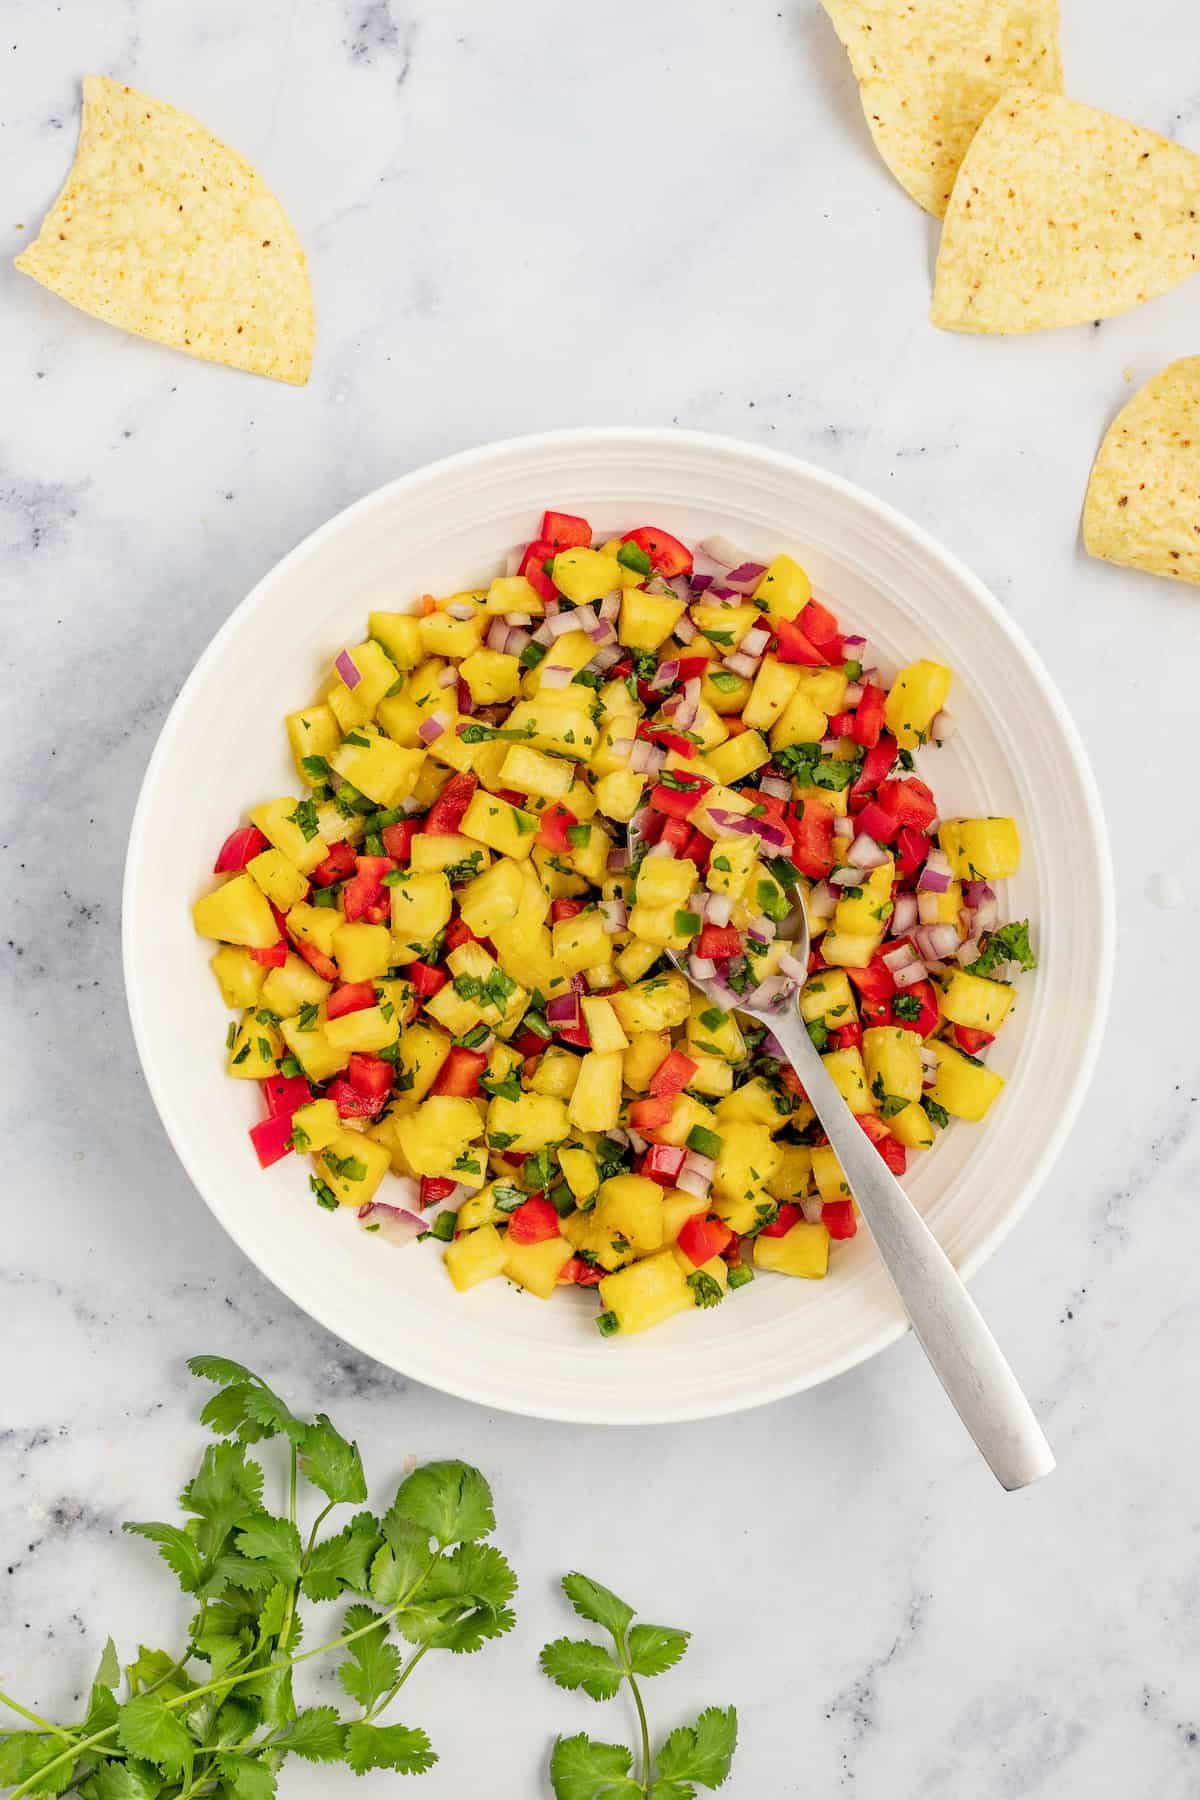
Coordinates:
[949,1326]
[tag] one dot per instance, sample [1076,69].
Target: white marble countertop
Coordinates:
[518,218]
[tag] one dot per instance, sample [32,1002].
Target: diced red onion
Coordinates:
[685,630]
[447,678]
[822,900]
[660,849]
[461,610]
[430,729]
[792,965]
[618,1135]
[865,853]
[741,664]
[987,916]
[910,974]
[771,995]
[616,915]
[602,633]
[606,656]
[942,727]
[647,758]
[929,908]
[829,745]
[497,636]
[701,968]
[557,675]
[517,618]
[543,634]
[904,915]
[679,585]
[936,967]
[584,618]
[855,645]
[513,561]
[562,622]
[744,827]
[610,606]
[391,1222]
[900,957]
[853,694]
[563,1010]
[762,931]
[347,668]
[745,577]
[976,892]
[516,640]
[691,1183]
[719,550]
[843,828]
[846,877]
[622,746]
[933,881]
[700,1165]
[929,1066]
[666,674]
[967,952]
[776,785]
[689,705]
[698,902]
[719,909]
[813,1208]
[618,859]
[937,940]
[754,642]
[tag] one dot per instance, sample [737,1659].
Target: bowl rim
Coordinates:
[643,438]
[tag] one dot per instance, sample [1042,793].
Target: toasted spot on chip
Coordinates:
[930,71]
[1143,500]
[164,231]
[1062,215]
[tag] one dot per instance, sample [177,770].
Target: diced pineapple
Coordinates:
[590,848]
[713,1032]
[512,594]
[370,1030]
[981,849]
[353,1166]
[556,1073]
[849,1076]
[447,850]
[659,925]
[916,696]
[964,1087]
[437,1139]
[892,1057]
[654,1005]
[402,719]
[677,1208]
[239,977]
[491,676]
[686,1113]
[603,1026]
[584,575]
[420,908]
[619,795]
[794,1175]
[647,1293]
[774,686]
[633,962]
[294,985]
[279,879]
[382,770]
[533,772]
[749,1157]
[287,824]
[455,1013]
[867,912]
[579,1170]
[308,1043]
[315,925]
[827,1174]
[493,897]
[720,688]
[400,635]
[527,1124]
[849,950]
[738,757]
[457,638]
[596,1098]
[362,952]
[475,1257]
[255,1050]
[800,722]
[537,1267]
[572,651]
[630,578]
[715,1268]
[785,588]
[315,1126]
[647,620]
[313,731]
[974,1001]
[730,623]
[237,913]
[377,672]
[754,1102]
[558,719]
[828,997]
[713,1075]
[647,1049]
[422,1051]
[499,824]
[913,1126]
[802,1251]
[581,942]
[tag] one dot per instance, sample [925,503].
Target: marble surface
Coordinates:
[518,218]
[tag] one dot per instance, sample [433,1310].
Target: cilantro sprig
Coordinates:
[582,1767]
[221,1718]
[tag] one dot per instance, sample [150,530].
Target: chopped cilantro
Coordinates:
[706,1291]
[937,1112]
[305,816]
[1009,944]
[906,1006]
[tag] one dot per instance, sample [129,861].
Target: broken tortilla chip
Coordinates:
[930,71]
[1143,500]
[1062,215]
[164,231]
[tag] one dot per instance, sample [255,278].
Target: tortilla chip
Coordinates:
[930,71]
[166,232]
[1062,214]
[1143,500]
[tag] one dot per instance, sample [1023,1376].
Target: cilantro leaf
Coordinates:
[449,1500]
[247,1778]
[122,1781]
[402,1562]
[580,1767]
[580,1663]
[331,1463]
[25,1752]
[341,1562]
[373,1663]
[273,1542]
[176,1548]
[599,1604]
[148,1729]
[316,1734]
[401,1747]
[226,1490]
[655,1648]
[463,1602]
[701,1752]
[1010,943]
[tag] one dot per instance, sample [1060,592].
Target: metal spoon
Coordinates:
[949,1326]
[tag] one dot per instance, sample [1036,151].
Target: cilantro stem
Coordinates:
[643,1723]
[61,1731]
[406,1671]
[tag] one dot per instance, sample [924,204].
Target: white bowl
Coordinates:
[449,526]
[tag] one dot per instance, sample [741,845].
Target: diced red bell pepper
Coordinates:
[435,1188]
[351,1104]
[839,1218]
[316,959]
[648,1115]
[891,1149]
[970,1039]
[875,983]
[350,996]
[912,847]
[459,1074]
[272,1138]
[691,667]
[929,1017]
[841,724]
[365,897]
[370,1075]
[663,1163]
[578,1035]
[791,1082]
[238,849]
[552,833]
[702,1238]
[531,1223]
[564,909]
[818,624]
[680,802]
[868,715]
[397,839]
[791,645]
[446,814]
[533,568]
[676,832]
[528,1044]
[909,801]
[877,763]
[717,942]
[789,1215]
[811,826]
[459,932]
[876,823]
[284,1093]
[274,956]
[698,849]
[338,866]
[673,1074]
[665,738]
[579,1273]
[667,555]
[565,531]
[425,979]
[847,1037]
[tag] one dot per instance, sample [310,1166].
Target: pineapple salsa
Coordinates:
[448,955]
